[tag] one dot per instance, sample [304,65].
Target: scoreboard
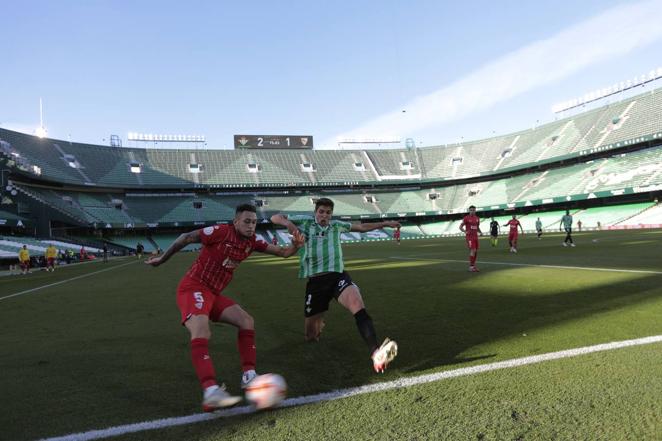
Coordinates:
[272,142]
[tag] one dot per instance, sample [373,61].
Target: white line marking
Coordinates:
[583,268]
[27,291]
[350,392]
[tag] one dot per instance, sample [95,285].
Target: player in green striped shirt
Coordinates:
[566,223]
[321,262]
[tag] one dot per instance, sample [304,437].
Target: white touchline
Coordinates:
[344,393]
[583,268]
[28,291]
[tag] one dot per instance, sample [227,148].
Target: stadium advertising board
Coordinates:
[273,142]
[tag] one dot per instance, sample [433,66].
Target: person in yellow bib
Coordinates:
[24,259]
[50,254]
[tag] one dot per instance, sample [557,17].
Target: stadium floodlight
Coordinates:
[151,137]
[369,140]
[41,131]
[639,80]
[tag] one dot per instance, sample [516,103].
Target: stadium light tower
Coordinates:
[41,131]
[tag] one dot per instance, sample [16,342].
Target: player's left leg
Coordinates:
[351,299]
[472,244]
[243,321]
[474,256]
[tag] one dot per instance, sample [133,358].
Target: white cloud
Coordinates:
[608,35]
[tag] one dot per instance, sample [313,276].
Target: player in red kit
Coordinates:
[200,298]
[513,233]
[471,227]
[396,235]
[274,240]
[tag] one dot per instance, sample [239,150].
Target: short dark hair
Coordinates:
[245,207]
[472,206]
[323,202]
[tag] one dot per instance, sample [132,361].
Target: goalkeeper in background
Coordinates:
[494,232]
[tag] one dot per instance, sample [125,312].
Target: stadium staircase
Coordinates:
[42,200]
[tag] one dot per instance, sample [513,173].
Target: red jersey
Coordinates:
[514,223]
[471,225]
[396,234]
[222,251]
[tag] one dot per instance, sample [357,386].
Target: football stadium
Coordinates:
[554,333]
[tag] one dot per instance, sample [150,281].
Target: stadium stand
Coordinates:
[611,215]
[633,172]
[140,192]
[132,241]
[614,125]
[651,217]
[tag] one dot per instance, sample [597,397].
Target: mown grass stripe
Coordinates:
[28,291]
[487,262]
[345,393]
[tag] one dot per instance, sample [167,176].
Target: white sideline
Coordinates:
[27,291]
[583,268]
[344,393]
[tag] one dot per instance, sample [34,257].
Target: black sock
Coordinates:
[366,329]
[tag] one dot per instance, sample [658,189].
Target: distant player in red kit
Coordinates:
[396,235]
[513,233]
[200,296]
[471,227]
[274,240]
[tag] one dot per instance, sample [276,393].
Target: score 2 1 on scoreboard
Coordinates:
[272,142]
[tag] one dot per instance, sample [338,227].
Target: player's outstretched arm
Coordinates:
[369,226]
[297,242]
[179,243]
[283,221]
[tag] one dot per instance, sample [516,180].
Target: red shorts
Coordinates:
[512,237]
[25,265]
[472,242]
[51,261]
[195,298]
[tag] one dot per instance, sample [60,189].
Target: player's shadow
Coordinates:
[447,328]
[436,326]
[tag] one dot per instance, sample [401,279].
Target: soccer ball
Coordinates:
[266,391]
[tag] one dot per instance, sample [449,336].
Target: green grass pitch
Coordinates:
[108,350]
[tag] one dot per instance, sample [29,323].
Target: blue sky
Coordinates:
[312,68]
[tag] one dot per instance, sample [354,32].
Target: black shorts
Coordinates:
[494,233]
[321,289]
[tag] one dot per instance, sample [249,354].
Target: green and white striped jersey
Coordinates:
[322,252]
[567,221]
